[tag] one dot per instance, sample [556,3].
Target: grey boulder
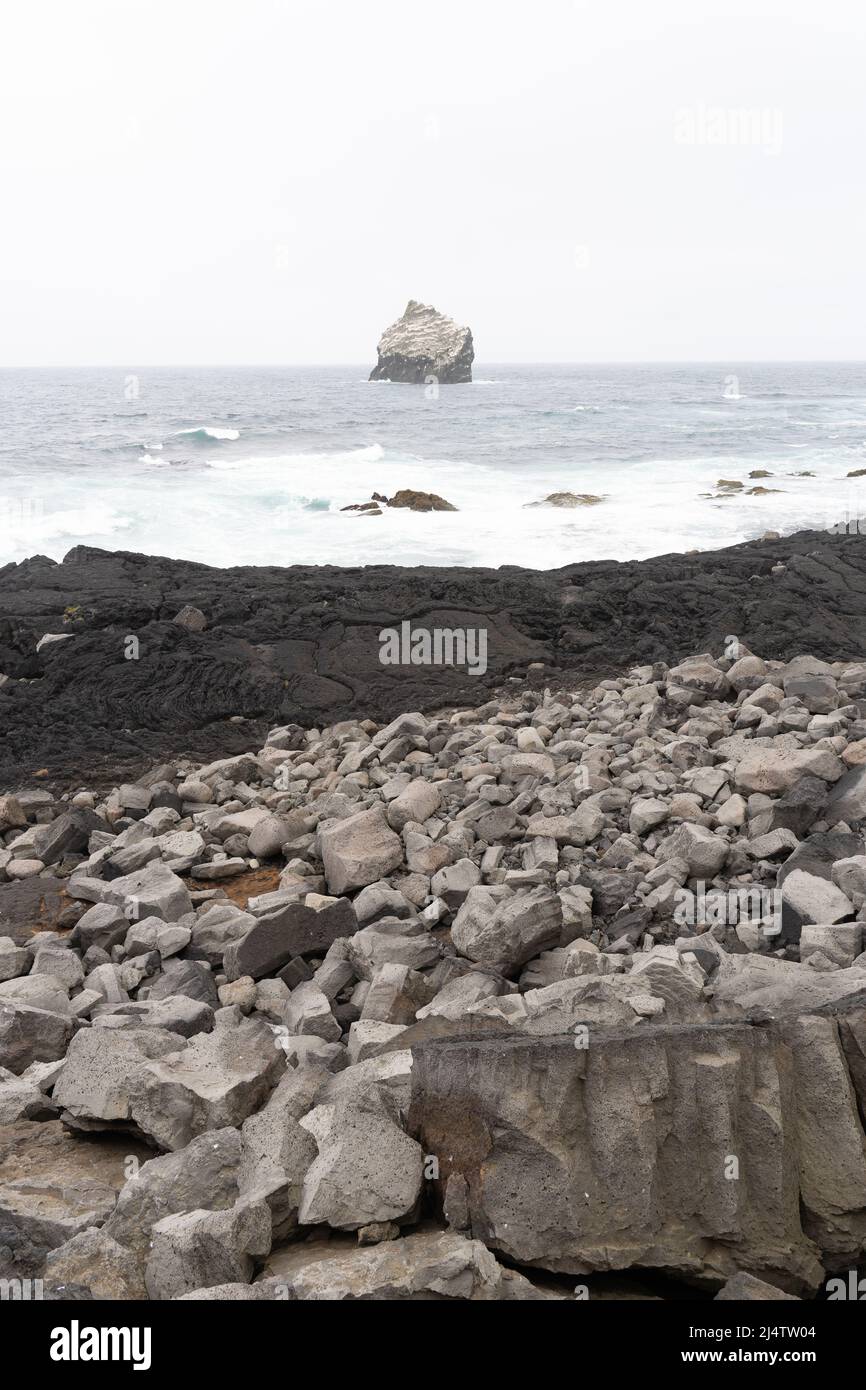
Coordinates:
[366,1168]
[359,850]
[292,930]
[200,1248]
[218,1079]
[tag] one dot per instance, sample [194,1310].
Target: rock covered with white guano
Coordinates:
[424,345]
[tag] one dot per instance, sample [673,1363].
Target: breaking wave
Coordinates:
[208,433]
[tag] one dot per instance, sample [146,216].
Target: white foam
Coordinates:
[278,466]
[34,529]
[286,509]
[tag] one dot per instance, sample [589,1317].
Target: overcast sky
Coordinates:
[246,181]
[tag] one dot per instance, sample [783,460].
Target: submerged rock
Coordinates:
[420,501]
[424,344]
[567,499]
[407,498]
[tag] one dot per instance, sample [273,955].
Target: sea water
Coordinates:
[236,466]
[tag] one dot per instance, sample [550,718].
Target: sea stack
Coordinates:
[423,344]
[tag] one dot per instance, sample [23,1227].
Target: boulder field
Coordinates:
[486,1004]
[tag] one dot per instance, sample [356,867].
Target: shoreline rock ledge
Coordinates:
[422,344]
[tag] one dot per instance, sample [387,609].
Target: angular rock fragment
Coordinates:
[153,891]
[767,770]
[20,1099]
[423,1265]
[366,1169]
[200,1248]
[831,1147]
[205,1174]
[292,930]
[101,1071]
[218,1079]
[276,1151]
[359,850]
[745,1288]
[807,898]
[395,995]
[29,1035]
[94,1261]
[309,1012]
[418,802]
[499,928]
[702,851]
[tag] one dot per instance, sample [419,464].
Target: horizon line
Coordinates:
[500,362]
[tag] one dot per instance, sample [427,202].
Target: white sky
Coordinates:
[249,181]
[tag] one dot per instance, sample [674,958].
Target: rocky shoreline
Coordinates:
[494,1003]
[300,644]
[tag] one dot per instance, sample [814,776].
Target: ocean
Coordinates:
[252,465]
